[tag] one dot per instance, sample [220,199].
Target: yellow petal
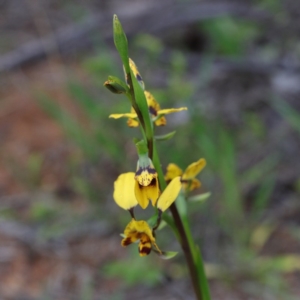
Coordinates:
[192,185]
[124,191]
[144,194]
[161,121]
[143,227]
[145,245]
[172,172]
[141,195]
[127,115]
[153,105]
[136,73]
[170,194]
[193,169]
[170,110]
[132,123]
[131,238]
[195,184]
[135,231]
[138,227]
[152,191]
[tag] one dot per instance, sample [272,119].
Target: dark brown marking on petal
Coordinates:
[139,171]
[153,182]
[151,170]
[139,77]
[127,241]
[148,169]
[152,111]
[145,250]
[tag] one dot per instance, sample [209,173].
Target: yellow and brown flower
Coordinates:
[140,230]
[146,186]
[157,114]
[188,179]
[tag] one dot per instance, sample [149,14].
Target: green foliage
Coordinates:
[134,271]
[219,147]
[274,6]
[177,72]
[199,198]
[288,113]
[94,141]
[229,36]
[256,125]
[149,43]
[34,166]
[76,12]
[29,173]
[43,211]
[69,124]
[100,65]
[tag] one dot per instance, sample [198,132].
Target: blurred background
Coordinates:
[234,64]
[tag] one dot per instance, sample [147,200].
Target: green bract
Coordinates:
[116,85]
[121,43]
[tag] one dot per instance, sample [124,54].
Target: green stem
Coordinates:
[147,129]
[131,96]
[192,255]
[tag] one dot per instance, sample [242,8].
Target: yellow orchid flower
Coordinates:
[140,230]
[146,185]
[188,176]
[124,194]
[129,192]
[157,114]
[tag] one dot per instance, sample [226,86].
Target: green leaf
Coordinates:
[131,269]
[165,137]
[166,254]
[121,43]
[162,225]
[116,85]
[152,220]
[199,198]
